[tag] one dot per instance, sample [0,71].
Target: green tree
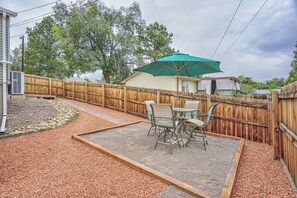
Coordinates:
[248,85]
[16,59]
[68,32]
[246,80]
[154,42]
[94,37]
[276,82]
[42,55]
[293,73]
[261,85]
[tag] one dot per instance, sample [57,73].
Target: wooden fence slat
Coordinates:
[275,125]
[73,90]
[86,92]
[103,95]
[287,120]
[125,99]
[50,86]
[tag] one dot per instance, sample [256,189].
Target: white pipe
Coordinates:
[3,124]
[4,71]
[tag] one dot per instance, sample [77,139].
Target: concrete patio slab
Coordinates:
[203,170]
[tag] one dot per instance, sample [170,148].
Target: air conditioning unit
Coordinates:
[17,82]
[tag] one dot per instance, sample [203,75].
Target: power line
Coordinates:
[36,18]
[226,30]
[243,30]
[18,35]
[24,23]
[18,23]
[39,6]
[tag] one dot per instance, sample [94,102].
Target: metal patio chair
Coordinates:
[192,104]
[197,132]
[149,115]
[164,118]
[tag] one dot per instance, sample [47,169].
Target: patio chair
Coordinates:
[149,115]
[164,118]
[192,104]
[197,132]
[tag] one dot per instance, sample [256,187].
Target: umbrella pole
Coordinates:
[177,100]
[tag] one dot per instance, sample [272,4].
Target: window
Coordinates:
[185,86]
[213,86]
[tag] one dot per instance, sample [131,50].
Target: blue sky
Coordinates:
[264,51]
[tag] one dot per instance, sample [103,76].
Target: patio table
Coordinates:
[183,111]
[182,118]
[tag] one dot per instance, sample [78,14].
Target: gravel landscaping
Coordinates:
[37,114]
[259,175]
[51,164]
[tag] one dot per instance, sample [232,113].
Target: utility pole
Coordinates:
[23,46]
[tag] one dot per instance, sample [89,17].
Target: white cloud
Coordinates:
[97,75]
[264,51]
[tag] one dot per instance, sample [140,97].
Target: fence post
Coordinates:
[158,96]
[275,125]
[50,86]
[125,99]
[103,95]
[86,92]
[73,90]
[208,103]
[64,89]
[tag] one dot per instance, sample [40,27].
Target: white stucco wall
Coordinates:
[157,82]
[192,86]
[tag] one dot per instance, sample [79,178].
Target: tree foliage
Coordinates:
[94,36]
[249,85]
[16,59]
[276,82]
[87,36]
[293,73]
[42,55]
[154,42]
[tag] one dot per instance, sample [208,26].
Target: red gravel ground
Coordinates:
[259,175]
[51,164]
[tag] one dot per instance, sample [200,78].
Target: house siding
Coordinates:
[7,47]
[1,58]
[1,70]
[1,16]
[158,82]
[225,90]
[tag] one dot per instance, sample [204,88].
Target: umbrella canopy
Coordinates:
[179,64]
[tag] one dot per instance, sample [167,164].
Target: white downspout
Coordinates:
[4,71]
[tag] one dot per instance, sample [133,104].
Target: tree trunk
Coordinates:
[106,77]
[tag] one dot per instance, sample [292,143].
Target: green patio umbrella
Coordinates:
[178,64]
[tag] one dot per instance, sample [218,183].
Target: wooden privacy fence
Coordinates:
[273,122]
[43,85]
[235,116]
[285,127]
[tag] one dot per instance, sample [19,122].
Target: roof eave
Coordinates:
[8,12]
[132,76]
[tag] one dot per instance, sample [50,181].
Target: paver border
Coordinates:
[226,190]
